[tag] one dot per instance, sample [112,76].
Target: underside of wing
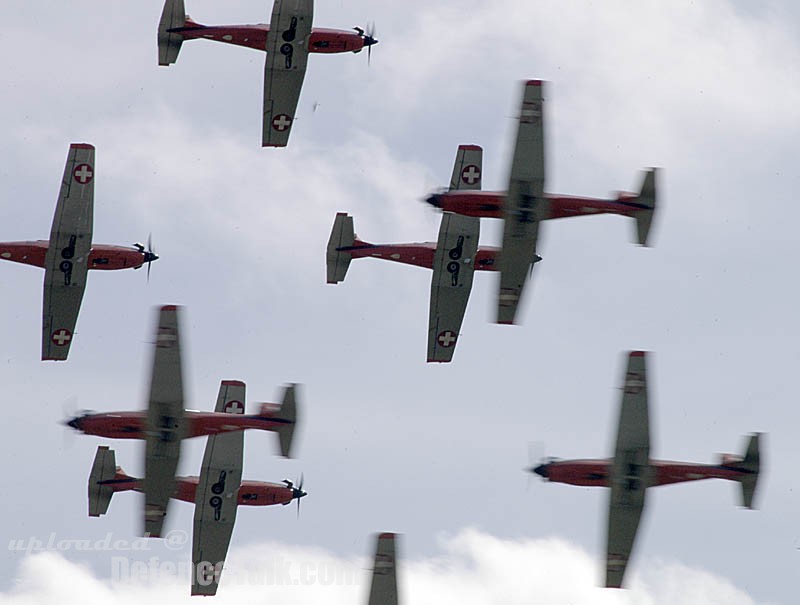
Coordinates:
[634,417]
[454,261]
[525,204]
[623,523]
[217,495]
[165,421]
[630,471]
[453,270]
[383,590]
[66,261]
[285,68]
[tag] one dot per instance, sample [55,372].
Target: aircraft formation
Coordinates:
[219,489]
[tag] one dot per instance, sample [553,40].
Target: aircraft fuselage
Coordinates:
[251,493]
[595,473]
[420,254]
[131,425]
[489,204]
[103,257]
[321,40]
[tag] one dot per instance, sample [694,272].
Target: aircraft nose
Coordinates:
[434,200]
[369,41]
[150,257]
[542,471]
[74,423]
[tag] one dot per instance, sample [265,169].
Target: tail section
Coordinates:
[103,470]
[342,236]
[288,413]
[647,198]
[751,465]
[169,43]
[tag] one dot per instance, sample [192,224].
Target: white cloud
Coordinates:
[473,568]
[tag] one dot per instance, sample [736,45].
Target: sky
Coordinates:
[708,92]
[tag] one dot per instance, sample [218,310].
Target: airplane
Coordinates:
[525,204]
[383,589]
[69,254]
[631,471]
[165,423]
[217,492]
[454,257]
[287,53]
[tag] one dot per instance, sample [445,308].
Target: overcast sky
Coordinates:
[706,91]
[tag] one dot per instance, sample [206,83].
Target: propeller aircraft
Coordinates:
[525,204]
[631,471]
[217,492]
[288,40]
[69,254]
[165,423]
[454,257]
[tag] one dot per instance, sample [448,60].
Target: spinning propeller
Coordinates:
[369,38]
[149,254]
[297,492]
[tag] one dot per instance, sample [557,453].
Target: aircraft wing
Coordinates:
[630,471]
[524,205]
[217,495]
[66,262]
[285,68]
[383,590]
[453,261]
[165,422]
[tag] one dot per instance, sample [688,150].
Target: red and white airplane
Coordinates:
[217,492]
[106,479]
[166,423]
[631,471]
[69,253]
[525,204]
[454,257]
[288,40]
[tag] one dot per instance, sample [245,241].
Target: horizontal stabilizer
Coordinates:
[103,470]
[751,465]
[169,43]
[647,198]
[288,412]
[342,236]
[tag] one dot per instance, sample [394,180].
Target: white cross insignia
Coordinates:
[61,337]
[83,173]
[234,407]
[471,174]
[281,122]
[447,338]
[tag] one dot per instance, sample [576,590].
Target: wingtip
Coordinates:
[638,353]
[471,147]
[534,82]
[81,146]
[233,383]
[387,536]
[170,307]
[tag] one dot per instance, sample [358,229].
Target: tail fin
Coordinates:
[751,464]
[103,469]
[647,197]
[287,412]
[342,236]
[169,43]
